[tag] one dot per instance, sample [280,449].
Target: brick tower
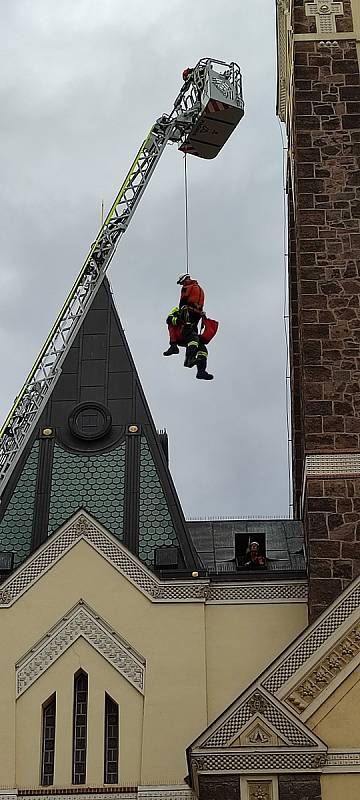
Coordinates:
[319,100]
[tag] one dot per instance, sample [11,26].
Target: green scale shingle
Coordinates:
[155,524]
[92,482]
[16,525]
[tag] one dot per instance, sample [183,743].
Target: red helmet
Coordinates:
[186,73]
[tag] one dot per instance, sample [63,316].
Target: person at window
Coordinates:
[255,559]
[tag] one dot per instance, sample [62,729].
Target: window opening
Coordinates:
[48,741]
[80,727]
[247,556]
[111,746]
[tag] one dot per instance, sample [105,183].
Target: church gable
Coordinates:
[82,526]
[80,621]
[312,681]
[248,715]
[85,690]
[257,734]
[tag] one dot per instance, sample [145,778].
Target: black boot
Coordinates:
[202,375]
[172,350]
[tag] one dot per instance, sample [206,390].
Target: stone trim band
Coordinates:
[323,464]
[278,761]
[82,526]
[173,792]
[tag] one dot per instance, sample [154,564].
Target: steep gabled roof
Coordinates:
[96,447]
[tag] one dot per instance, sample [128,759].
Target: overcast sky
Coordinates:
[81,83]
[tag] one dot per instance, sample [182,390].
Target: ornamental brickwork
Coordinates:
[324,291]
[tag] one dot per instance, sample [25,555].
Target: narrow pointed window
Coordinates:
[80,727]
[111,744]
[48,741]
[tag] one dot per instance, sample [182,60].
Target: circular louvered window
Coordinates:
[90,421]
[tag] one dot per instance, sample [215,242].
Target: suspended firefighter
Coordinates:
[183,325]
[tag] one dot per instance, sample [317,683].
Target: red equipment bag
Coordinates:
[175,333]
[209,330]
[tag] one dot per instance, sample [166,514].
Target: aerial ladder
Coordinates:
[206,111]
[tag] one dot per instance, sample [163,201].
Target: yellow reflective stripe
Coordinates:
[192,344]
[202,353]
[126,181]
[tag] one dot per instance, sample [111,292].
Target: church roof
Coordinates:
[216,542]
[96,447]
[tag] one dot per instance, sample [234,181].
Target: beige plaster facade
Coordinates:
[196,656]
[334,787]
[235,653]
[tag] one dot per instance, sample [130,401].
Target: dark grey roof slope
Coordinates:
[96,447]
[214,541]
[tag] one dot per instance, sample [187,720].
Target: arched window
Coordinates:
[111,743]
[48,741]
[80,727]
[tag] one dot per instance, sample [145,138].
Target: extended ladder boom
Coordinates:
[37,388]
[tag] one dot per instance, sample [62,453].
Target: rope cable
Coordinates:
[286,324]
[186,216]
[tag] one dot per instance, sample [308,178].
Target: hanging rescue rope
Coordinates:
[186,216]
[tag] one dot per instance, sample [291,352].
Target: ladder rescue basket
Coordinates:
[222,108]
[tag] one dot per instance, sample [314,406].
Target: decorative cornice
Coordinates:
[165,793]
[230,726]
[319,37]
[343,761]
[70,795]
[259,761]
[81,621]
[324,464]
[312,639]
[265,592]
[284,57]
[173,792]
[281,760]
[325,670]
[83,526]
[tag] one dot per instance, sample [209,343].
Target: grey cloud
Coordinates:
[81,83]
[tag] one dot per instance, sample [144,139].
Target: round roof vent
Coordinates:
[90,421]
